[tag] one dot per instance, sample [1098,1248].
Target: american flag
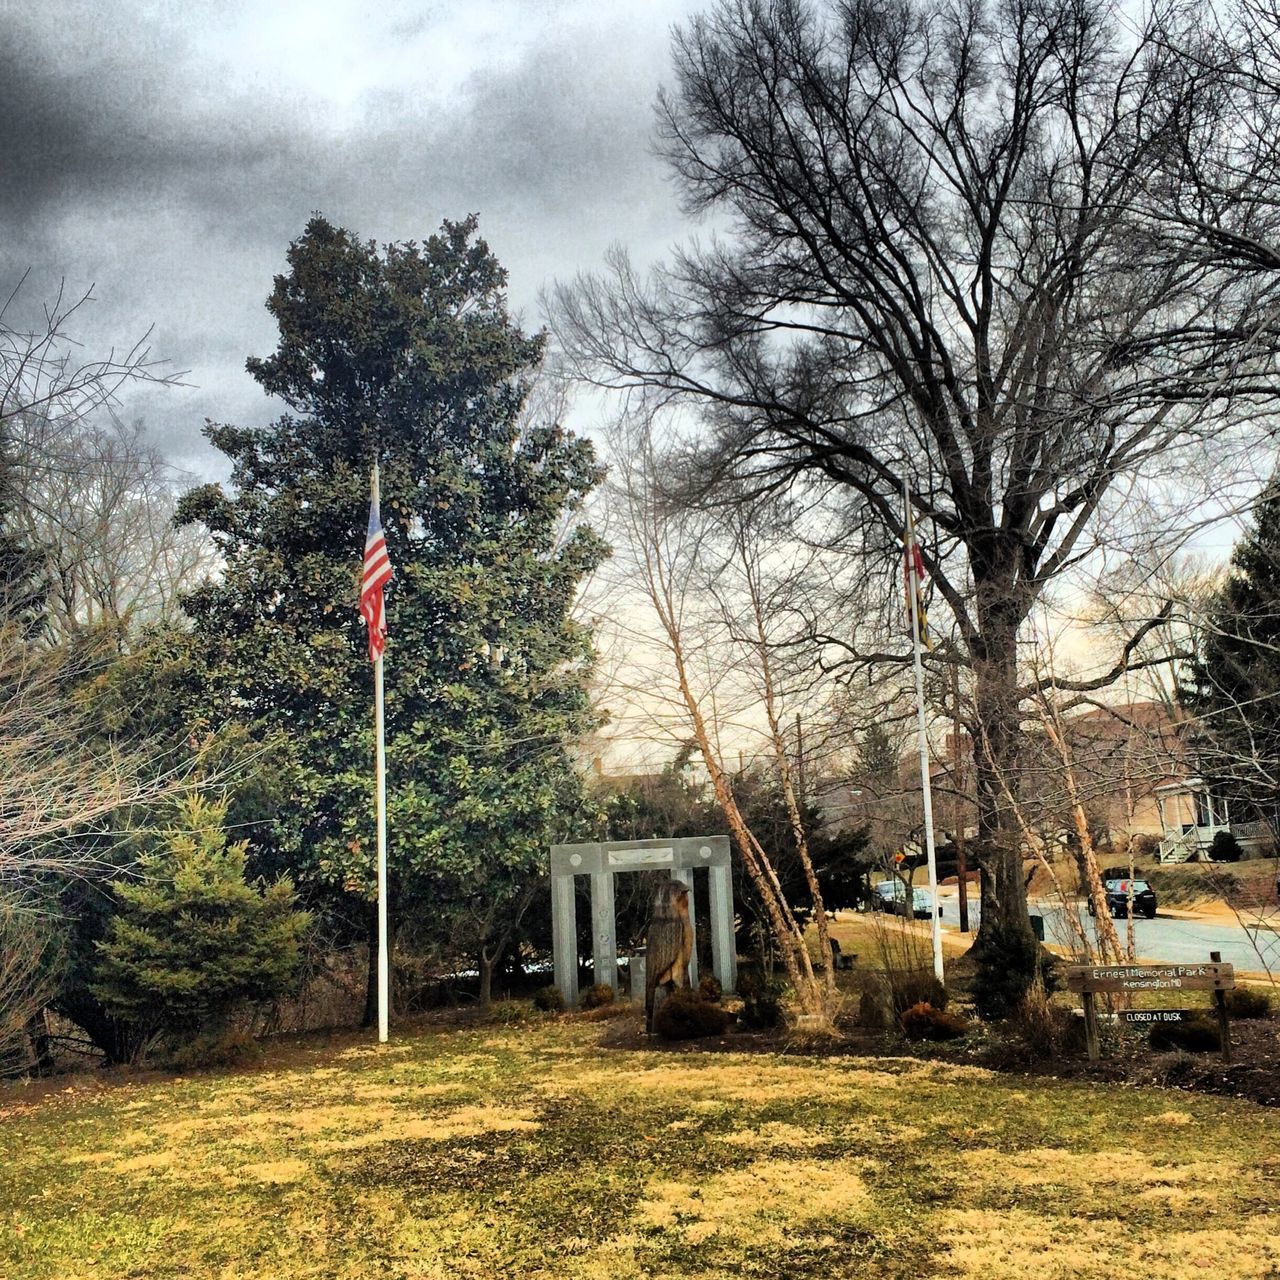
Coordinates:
[377,573]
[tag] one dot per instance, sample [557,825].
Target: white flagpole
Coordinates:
[383,959]
[912,594]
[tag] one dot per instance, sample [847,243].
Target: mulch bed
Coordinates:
[1254,1073]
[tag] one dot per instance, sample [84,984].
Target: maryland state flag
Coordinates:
[914,564]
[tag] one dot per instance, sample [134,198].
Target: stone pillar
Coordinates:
[564,938]
[724,955]
[686,878]
[635,969]
[604,945]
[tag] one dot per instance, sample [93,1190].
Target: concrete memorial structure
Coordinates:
[679,858]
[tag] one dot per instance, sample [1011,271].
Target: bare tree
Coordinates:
[29,955]
[715,657]
[1212,130]
[59,779]
[933,272]
[44,372]
[62,779]
[95,514]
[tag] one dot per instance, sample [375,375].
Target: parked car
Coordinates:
[887,895]
[922,904]
[1117,892]
[891,895]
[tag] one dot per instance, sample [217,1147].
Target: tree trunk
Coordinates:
[995,752]
[112,1037]
[41,1043]
[487,963]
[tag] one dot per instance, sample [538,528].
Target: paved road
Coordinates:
[1166,938]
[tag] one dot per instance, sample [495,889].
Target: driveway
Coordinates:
[1179,939]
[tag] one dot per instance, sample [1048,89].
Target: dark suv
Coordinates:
[1117,891]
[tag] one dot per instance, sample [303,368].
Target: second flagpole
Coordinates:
[913,595]
[384,968]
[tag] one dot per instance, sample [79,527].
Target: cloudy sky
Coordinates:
[165,152]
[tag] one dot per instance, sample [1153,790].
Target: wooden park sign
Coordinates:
[1155,1017]
[1090,980]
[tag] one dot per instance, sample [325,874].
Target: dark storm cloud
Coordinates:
[133,169]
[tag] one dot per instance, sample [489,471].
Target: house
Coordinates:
[1192,816]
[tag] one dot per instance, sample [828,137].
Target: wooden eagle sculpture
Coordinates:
[668,944]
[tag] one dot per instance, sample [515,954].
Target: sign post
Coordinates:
[1224,1023]
[1091,979]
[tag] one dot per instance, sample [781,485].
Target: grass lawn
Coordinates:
[529,1150]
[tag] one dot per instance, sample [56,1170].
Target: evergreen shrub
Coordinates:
[192,942]
[762,1000]
[916,986]
[1248,1002]
[1197,1035]
[597,996]
[685,1015]
[1225,848]
[548,999]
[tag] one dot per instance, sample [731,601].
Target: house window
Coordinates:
[1204,809]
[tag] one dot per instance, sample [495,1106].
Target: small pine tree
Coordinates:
[193,941]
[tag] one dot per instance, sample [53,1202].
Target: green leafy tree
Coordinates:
[406,355]
[1233,686]
[192,941]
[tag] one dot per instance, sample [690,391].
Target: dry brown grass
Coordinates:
[530,1152]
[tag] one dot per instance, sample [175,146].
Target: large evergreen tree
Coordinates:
[408,355]
[1233,687]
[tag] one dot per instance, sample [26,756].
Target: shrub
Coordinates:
[1041,1030]
[923,1021]
[548,999]
[606,1012]
[709,988]
[1007,967]
[873,1007]
[761,1000]
[916,986]
[596,997]
[509,1013]
[685,1015]
[193,942]
[1225,848]
[230,1048]
[1197,1035]
[1248,1002]
[1178,1071]
[1143,846]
